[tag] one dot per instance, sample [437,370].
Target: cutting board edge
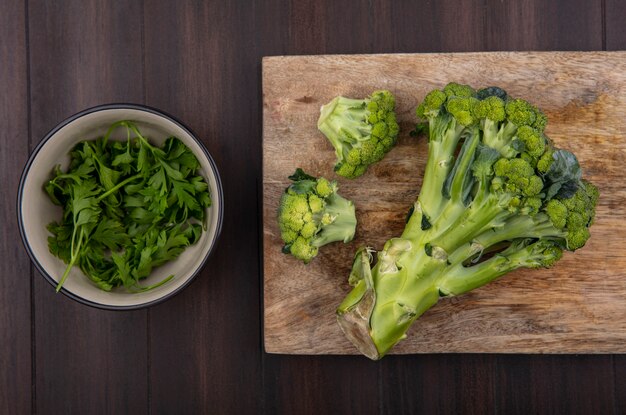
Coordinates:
[268,59]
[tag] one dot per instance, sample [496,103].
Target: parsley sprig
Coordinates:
[128,206]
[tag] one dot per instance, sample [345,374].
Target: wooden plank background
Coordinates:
[575,307]
[201,352]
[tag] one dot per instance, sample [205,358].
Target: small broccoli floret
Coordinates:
[512,127]
[311,214]
[529,253]
[362,131]
[301,248]
[517,177]
[491,108]
[577,237]
[324,188]
[316,203]
[498,129]
[458,90]
[557,213]
[532,205]
[520,112]
[546,160]
[461,108]
[432,104]
[533,141]
[540,121]
[529,159]
[483,162]
[577,212]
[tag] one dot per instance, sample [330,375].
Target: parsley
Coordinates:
[127,207]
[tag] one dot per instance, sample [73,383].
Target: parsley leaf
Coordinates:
[128,206]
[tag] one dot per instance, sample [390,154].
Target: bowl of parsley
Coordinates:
[120,206]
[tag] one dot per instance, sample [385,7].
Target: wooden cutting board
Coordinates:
[579,306]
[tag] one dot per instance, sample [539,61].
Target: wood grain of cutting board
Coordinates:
[578,306]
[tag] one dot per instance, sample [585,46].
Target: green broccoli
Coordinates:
[496,196]
[312,214]
[362,131]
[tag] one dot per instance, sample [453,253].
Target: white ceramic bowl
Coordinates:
[35,210]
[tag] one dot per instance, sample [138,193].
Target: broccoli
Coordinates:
[312,214]
[362,131]
[496,196]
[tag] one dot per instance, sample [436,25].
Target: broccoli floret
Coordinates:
[557,212]
[461,108]
[362,131]
[492,108]
[546,160]
[581,210]
[432,104]
[454,90]
[494,183]
[312,214]
[518,177]
[520,112]
[534,142]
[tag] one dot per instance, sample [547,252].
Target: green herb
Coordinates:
[127,207]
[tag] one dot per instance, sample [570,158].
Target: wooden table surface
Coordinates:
[201,351]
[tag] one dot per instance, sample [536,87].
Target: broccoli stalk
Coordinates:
[496,196]
[312,214]
[362,131]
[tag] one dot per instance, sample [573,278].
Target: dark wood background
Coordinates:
[201,352]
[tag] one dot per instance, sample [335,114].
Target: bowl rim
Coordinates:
[49,135]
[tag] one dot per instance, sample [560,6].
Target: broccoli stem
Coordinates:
[342,121]
[460,177]
[385,301]
[471,222]
[536,227]
[459,279]
[499,138]
[376,319]
[445,134]
[407,280]
[342,227]
[456,187]
[354,312]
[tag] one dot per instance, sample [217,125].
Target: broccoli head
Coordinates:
[362,131]
[494,184]
[311,214]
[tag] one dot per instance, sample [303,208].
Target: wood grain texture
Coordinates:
[321,385]
[427,26]
[84,53]
[206,354]
[205,342]
[615,35]
[543,25]
[482,25]
[315,27]
[15,273]
[556,385]
[414,384]
[575,307]
[619,373]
